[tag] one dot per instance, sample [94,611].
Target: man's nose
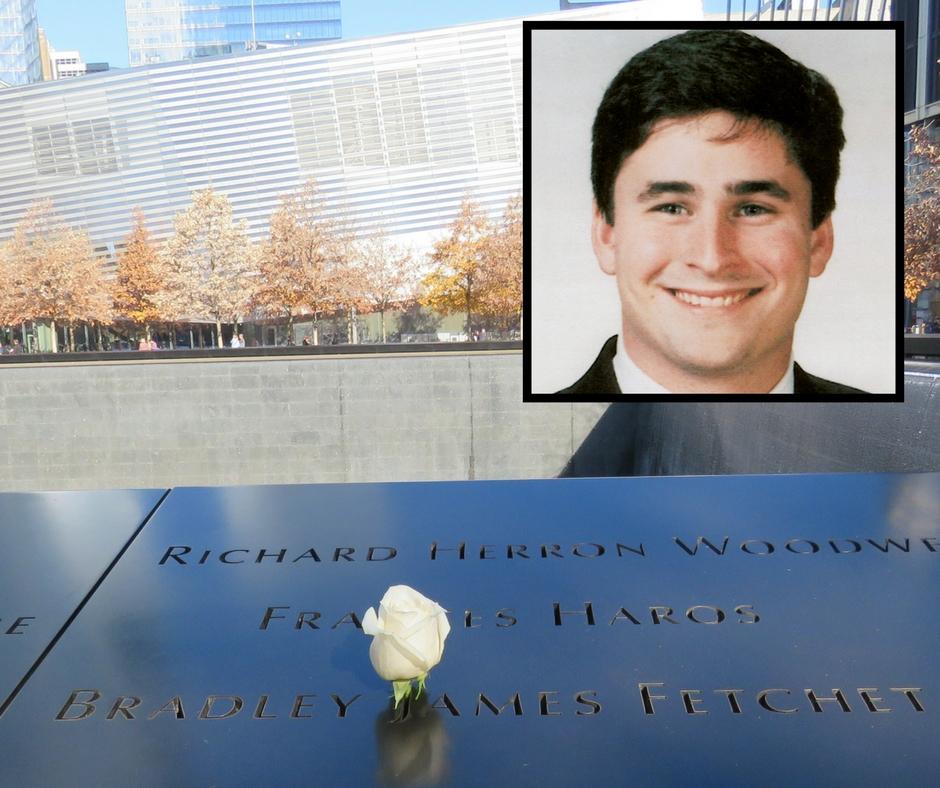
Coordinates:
[714,245]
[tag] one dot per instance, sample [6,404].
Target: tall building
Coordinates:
[162,31]
[56,64]
[66,64]
[921,52]
[44,59]
[19,42]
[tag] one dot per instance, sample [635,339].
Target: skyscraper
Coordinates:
[66,64]
[160,31]
[19,42]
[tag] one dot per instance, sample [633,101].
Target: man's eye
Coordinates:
[672,208]
[754,210]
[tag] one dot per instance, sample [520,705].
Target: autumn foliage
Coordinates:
[140,278]
[313,263]
[52,274]
[209,264]
[501,286]
[922,214]
[477,267]
[387,275]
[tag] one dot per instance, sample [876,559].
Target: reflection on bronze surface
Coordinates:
[412,744]
[914,503]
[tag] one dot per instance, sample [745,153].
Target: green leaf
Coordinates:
[402,689]
[421,680]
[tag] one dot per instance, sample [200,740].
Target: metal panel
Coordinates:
[169,675]
[54,548]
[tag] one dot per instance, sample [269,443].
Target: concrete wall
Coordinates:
[297,420]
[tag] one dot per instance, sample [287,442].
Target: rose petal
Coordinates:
[443,625]
[409,631]
[391,661]
[425,640]
[370,623]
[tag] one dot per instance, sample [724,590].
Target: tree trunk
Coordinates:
[70,338]
[316,334]
[382,315]
[353,328]
[100,341]
[218,333]
[55,338]
[469,318]
[290,324]
[520,325]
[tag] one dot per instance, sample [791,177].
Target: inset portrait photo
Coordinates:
[712,212]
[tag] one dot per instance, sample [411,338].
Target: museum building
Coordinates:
[395,129]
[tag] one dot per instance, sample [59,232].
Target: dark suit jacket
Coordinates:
[600,378]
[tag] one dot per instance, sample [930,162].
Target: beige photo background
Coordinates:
[847,330]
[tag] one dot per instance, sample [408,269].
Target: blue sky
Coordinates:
[96,27]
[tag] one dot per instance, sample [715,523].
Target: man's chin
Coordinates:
[715,367]
[710,365]
[726,372]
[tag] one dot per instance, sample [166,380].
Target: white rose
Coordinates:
[408,634]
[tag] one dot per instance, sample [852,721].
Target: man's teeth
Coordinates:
[698,300]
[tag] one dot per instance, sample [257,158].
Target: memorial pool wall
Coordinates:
[296,419]
[411,416]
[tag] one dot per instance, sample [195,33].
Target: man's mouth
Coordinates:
[723,299]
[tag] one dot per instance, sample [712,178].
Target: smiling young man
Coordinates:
[714,164]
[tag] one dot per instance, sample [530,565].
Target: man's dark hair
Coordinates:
[720,70]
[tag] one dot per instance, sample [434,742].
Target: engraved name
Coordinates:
[18,626]
[759,547]
[652,698]
[506,617]
[183,554]
[462,551]
[780,700]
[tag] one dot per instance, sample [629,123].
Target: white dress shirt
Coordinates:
[633,380]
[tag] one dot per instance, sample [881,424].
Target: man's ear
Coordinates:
[602,239]
[821,247]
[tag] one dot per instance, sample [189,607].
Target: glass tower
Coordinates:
[19,42]
[161,31]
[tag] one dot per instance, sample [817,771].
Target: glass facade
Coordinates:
[933,52]
[162,31]
[19,42]
[907,11]
[396,130]
[921,52]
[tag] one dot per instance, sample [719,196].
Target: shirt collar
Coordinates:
[633,380]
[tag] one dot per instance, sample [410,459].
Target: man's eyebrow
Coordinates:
[655,188]
[772,188]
